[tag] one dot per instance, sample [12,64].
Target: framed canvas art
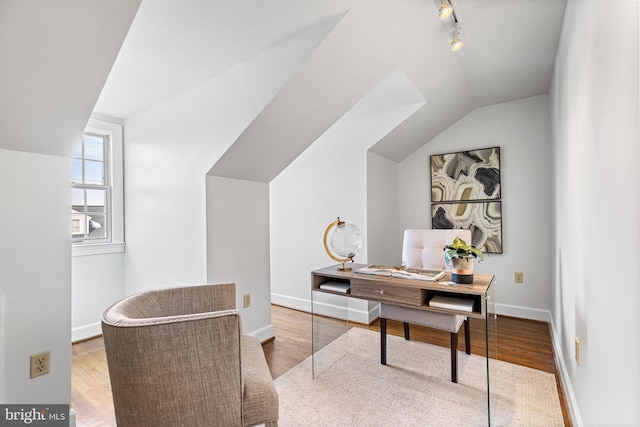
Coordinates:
[466,176]
[484,219]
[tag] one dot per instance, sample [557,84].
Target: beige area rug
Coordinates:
[352,388]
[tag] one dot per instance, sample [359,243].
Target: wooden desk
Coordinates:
[405,292]
[410,293]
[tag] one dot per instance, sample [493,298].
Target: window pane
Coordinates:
[97,227]
[95,201]
[93,172]
[76,171]
[77,199]
[93,147]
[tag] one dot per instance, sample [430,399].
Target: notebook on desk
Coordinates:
[452,303]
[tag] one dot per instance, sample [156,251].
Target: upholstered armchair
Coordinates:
[425,249]
[177,357]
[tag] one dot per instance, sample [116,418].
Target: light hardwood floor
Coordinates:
[519,341]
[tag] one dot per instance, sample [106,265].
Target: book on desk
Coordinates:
[402,272]
[340,287]
[452,303]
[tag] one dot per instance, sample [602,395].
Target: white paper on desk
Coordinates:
[402,273]
[378,270]
[419,274]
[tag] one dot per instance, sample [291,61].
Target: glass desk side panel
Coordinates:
[491,339]
[329,321]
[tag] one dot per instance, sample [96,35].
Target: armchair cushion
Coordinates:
[260,399]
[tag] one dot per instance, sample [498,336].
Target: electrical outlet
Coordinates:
[247,300]
[518,277]
[40,364]
[577,351]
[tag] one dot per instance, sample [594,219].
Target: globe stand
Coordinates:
[347,258]
[343,268]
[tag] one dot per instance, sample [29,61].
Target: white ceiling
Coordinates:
[173,46]
[54,60]
[509,53]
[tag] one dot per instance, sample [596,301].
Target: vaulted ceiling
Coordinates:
[172,46]
[54,60]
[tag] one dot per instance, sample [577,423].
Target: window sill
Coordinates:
[96,249]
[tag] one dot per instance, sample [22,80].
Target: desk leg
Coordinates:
[454,357]
[383,341]
[407,335]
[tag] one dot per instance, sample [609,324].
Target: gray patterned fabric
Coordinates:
[444,321]
[177,356]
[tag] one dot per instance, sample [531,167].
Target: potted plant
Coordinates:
[460,255]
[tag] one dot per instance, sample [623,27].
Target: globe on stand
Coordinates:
[345,240]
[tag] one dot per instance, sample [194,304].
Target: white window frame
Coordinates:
[114,133]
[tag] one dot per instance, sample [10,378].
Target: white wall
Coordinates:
[35,260]
[329,180]
[97,282]
[384,243]
[238,246]
[521,130]
[97,270]
[596,210]
[169,150]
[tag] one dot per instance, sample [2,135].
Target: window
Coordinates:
[91,189]
[96,190]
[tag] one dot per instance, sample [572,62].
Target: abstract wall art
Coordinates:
[466,193]
[484,219]
[466,175]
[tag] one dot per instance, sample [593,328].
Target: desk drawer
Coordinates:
[375,291]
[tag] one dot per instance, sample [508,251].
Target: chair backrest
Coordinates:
[174,357]
[423,248]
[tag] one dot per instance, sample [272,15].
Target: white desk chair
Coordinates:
[425,249]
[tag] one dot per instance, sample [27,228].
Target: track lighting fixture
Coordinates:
[446,10]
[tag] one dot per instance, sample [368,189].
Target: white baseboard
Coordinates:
[524,312]
[346,313]
[264,333]
[564,375]
[291,302]
[327,309]
[85,332]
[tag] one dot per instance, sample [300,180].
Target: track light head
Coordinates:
[445,9]
[456,40]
